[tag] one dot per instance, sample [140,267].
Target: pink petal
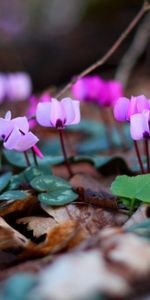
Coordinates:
[5,128]
[139,125]
[43,112]
[115,91]
[132,107]
[8,115]
[142,103]
[21,123]
[13,139]
[26,142]
[76,106]
[79,89]
[121,109]
[37,151]
[57,112]
[67,104]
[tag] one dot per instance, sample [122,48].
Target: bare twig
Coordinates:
[110,52]
[135,50]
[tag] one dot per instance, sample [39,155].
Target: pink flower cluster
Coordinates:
[15,86]
[95,89]
[136,111]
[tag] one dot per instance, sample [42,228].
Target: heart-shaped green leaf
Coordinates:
[58,197]
[49,183]
[4,180]
[135,187]
[14,195]
[16,181]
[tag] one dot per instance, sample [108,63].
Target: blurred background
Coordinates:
[54,39]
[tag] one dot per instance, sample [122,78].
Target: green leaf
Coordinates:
[48,183]
[136,187]
[142,229]
[4,180]
[14,195]
[16,181]
[58,197]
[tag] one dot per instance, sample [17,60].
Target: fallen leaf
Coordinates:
[39,225]
[11,238]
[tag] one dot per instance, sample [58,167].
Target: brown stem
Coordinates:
[110,52]
[139,157]
[34,157]
[147,154]
[64,152]
[27,159]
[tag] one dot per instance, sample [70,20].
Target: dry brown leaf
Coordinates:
[94,218]
[57,239]
[11,238]
[39,225]
[85,168]
[19,205]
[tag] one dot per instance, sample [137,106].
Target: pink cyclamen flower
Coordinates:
[125,108]
[58,113]
[19,86]
[15,133]
[139,125]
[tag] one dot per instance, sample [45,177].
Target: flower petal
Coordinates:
[13,139]
[26,141]
[76,106]
[21,123]
[57,112]
[121,109]
[43,112]
[67,104]
[142,103]
[139,125]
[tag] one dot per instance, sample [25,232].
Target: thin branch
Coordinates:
[110,52]
[135,50]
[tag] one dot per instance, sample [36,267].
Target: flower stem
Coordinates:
[64,152]
[139,157]
[131,206]
[27,159]
[34,157]
[147,154]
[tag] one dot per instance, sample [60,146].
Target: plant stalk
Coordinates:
[147,154]
[34,157]
[64,152]
[139,157]
[27,159]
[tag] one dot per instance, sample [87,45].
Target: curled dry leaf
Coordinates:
[39,225]
[141,214]
[10,238]
[77,276]
[65,235]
